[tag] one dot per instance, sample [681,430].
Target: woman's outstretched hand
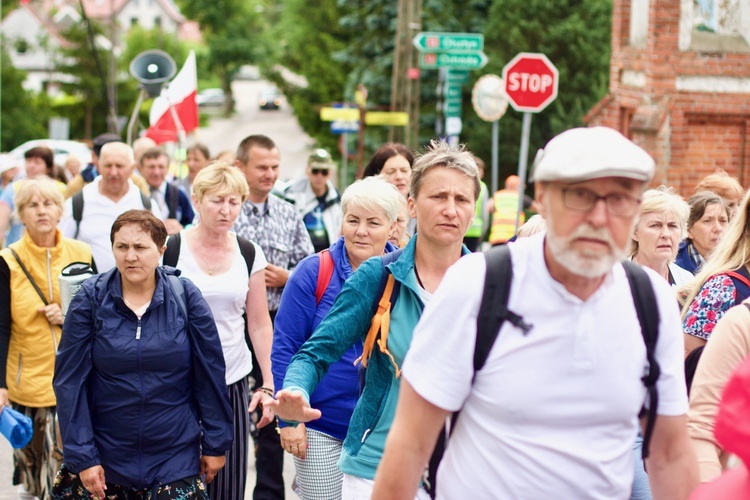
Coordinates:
[293,407]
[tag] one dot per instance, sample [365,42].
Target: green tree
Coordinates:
[311,36]
[76,59]
[575,36]
[232,33]
[21,116]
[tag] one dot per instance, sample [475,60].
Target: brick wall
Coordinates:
[698,131]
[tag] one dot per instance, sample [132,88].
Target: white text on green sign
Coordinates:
[452,91]
[452,108]
[445,42]
[457,60]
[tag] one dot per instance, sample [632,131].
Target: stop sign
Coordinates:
[530,82]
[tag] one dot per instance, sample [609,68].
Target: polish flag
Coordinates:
[181,93]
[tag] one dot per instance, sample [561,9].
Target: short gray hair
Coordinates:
[660,200]
[373,193]
[440,154]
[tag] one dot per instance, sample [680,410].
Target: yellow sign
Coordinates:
[334,114]
[387,118]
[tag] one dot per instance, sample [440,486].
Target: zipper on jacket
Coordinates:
[143,402]
[51,296]
[20,365]
[364,436]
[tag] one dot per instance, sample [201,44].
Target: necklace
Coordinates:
[200,254]
[419,280]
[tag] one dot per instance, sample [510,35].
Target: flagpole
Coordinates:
[181,136]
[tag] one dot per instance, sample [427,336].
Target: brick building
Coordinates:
[680,86]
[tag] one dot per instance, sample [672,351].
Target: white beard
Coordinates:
[581,262]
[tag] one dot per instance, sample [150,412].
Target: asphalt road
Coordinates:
[280,125]
[221,134]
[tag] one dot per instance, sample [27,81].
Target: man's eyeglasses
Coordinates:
[584,200]
[319,171]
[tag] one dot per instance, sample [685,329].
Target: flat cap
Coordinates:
[582,154]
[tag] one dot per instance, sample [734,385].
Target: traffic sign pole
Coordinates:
[495,156]
[523,157]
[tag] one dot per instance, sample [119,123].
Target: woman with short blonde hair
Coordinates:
[216,259]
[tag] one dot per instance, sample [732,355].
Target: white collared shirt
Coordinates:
[554,413]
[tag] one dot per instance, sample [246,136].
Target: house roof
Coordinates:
[46,22]
[101,9]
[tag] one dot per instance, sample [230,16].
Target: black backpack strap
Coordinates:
[493,310]
[172,253]
[247,249]
[77,202]
[647,310]
[173,192]
[178,289]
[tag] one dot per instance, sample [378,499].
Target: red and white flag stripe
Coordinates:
[181,93]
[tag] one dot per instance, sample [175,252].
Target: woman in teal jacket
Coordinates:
[444,189]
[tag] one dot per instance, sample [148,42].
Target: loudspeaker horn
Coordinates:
[152,69]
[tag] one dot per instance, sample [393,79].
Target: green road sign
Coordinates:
[452,91]
[457,76]
[452,108]
[444,42]
[456,60]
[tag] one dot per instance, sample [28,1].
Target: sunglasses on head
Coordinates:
[319,171]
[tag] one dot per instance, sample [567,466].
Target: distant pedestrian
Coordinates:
[317,200]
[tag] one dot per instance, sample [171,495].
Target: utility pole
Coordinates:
[405,83]
[112,119]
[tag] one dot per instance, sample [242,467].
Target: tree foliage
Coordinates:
[89,115]
[232,33]
[23,117]
[575,36]
[338,43]
[311,37]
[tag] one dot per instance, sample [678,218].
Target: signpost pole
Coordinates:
[523,156]
[495,157]
[344,162]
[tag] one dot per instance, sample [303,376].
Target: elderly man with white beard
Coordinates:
[553,411]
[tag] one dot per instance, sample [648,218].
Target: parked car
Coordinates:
[211,97]
[61,148]
[269,98]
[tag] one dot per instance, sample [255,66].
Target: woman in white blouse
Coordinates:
[214,258]
[661,225]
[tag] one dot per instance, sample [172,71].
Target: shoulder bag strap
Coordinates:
[26,272]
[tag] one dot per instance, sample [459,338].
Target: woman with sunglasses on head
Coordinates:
[317,200]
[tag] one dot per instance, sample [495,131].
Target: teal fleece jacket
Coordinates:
[347,323]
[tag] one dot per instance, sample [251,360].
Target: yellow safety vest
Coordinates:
[504,217]
[475,230]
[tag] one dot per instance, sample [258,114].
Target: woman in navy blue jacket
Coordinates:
[141,398]
[370,209]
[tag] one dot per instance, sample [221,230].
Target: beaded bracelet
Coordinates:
[265,390]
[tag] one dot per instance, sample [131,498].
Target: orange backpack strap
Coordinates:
[325,271]
[379,327]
